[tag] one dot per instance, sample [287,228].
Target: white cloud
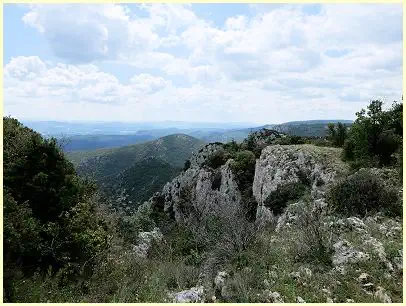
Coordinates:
[274,64]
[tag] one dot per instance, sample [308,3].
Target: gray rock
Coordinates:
[194,188]
[279,165]
[275,297]
[344,253]
[220,280]
[192,295]
[145,240]
[378,248]
[306,272]
[363,278]
[382,295]
[300,300]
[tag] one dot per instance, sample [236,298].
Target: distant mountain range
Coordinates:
[79,136]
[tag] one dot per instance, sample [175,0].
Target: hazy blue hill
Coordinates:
[94,142]
[316,122]
[311,128]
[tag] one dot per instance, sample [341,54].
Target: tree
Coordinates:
[375,135]
[49,218]
[337,134]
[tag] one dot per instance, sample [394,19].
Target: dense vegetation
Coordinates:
[63,242]
[50,222]
[130,175]
[376,136]
[138,183]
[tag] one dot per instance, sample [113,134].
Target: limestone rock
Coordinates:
[192,295]
[145,240]
[363,278]
[382,295]
[279,165]
[275,297]
[344,253]
[378,248]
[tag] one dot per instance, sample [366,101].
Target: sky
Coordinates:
[264,63]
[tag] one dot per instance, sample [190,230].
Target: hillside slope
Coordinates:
[139,182]
[174,149]
[133,173]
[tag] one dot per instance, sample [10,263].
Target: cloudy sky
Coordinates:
[264,63]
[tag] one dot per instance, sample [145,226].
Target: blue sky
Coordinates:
[265,63]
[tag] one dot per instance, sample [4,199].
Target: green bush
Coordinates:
[363,193]
[187,165]
[279,199]
[49,214]
[243,167]
[217,159]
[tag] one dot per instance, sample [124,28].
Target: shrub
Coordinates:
[217,159]
[215,184]
[313,244]
[243,168]
[187,165]
[363,193]
[278,200]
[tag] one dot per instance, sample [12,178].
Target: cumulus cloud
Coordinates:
[273,64]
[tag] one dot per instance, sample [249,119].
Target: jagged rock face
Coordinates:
[204,190]
[264,137]
[197,160]
[279,165]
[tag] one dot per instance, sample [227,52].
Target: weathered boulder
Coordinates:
[199,159]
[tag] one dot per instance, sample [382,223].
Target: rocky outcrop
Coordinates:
[145,240]
[199,159]
[279,165]
[202,190]
[345,253]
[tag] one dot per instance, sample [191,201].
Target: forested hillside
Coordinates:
[131,174]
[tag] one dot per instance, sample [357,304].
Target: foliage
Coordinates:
[363,193]
[337,134]
[138,183]
[375,136]
[243,167]
[49,221]
[313,244]
[186,165]
[217,159]
[279,199]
